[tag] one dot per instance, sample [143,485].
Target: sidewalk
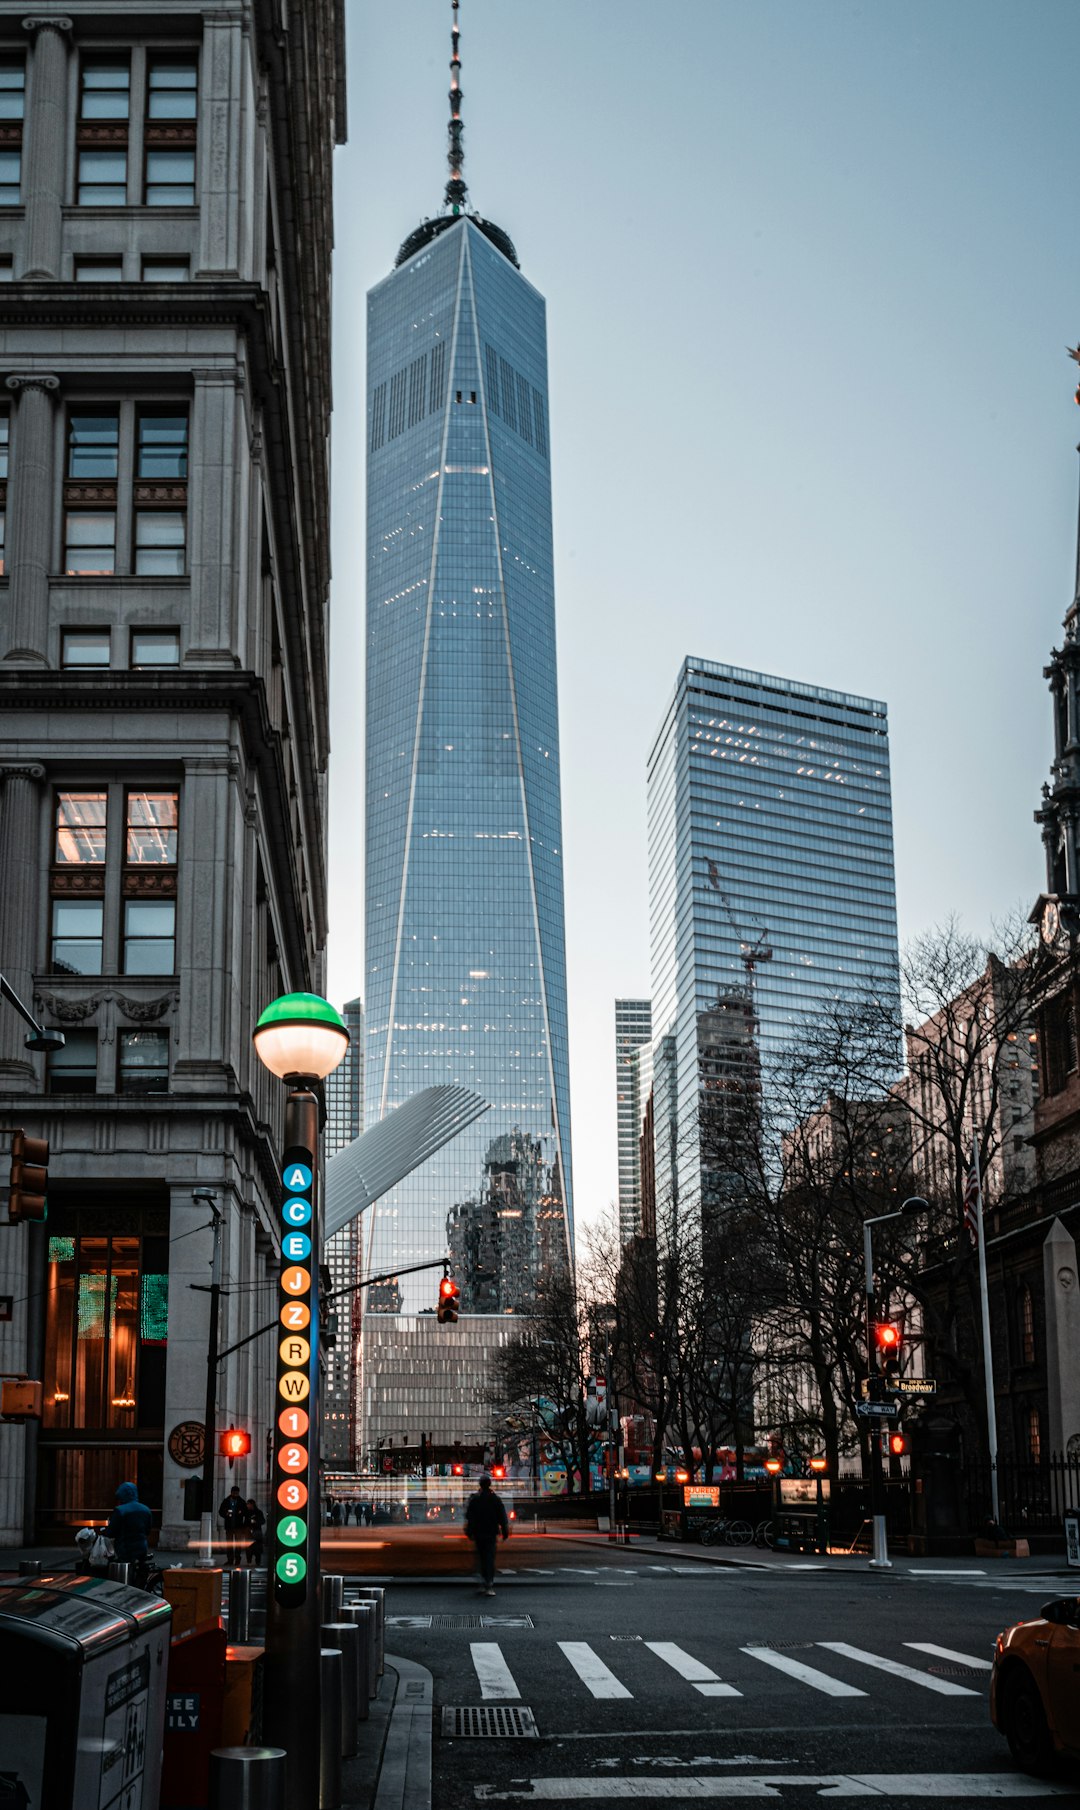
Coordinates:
[755,1558]
[392,1768]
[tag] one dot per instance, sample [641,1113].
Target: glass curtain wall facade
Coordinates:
[344,1122]
[633,1031]
[465,961]
[771,877]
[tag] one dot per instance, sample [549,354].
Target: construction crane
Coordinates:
[750,954]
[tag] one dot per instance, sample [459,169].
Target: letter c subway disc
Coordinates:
[294,1350]
[297,1178]
[293,1458]
[294,1423]
[296,1246]
[292,1493]
[293,1385]
[296,1212]
[295,1281]
[295,1315]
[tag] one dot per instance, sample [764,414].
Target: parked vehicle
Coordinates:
[1035,1686]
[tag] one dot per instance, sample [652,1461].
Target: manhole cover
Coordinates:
[493,1722]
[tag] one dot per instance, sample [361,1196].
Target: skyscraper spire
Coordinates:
[456,190]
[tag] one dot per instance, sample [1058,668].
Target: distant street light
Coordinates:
[301,1039]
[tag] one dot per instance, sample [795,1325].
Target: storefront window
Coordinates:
[106,1330]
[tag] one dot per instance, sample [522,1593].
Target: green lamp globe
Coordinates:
[301,1035]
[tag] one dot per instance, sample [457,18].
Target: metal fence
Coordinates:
[1033,1497]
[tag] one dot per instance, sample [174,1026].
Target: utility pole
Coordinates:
[206,1519]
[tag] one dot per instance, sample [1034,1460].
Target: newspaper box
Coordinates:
[84,1662]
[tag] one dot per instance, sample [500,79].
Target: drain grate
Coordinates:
[955,1671]
[492,1722]
[788,1646]
[624,1637]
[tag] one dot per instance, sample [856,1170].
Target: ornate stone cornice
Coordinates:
[58,22]
[145,1011]
[32,380]
[69,1011]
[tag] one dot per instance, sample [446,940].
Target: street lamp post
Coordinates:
[880,1560]
[301,1039]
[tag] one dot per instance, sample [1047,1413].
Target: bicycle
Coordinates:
[729,1532]
[765,1534]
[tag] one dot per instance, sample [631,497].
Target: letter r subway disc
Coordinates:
[293,1349]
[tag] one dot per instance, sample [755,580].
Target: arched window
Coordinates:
[1027,1326]
[1034,1435]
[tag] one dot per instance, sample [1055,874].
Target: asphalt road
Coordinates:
[651,1677]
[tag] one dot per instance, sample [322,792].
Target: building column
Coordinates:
[221,110]
[209,929]
[1062,1296]
[30,518]
[45,144]
[20,841]
[216,487]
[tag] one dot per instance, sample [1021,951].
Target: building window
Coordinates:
[1034,1433]
[106,1323]
[1059,1041]
[155,647]
[171,108]
[73,1070]
[99,270]
[1027,1325]
[166,270]
[90,491]
[144,1062]
[84,939]
[85,647]
[12,106]
[102,132]
[161,469]
[7,269]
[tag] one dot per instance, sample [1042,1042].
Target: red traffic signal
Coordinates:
[457,1470]
[887,1334]
[234,1443]
[897,1444]
[449,1297]
[498,1471]
[28,1177]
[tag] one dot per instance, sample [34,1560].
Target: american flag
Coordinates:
[972,1199]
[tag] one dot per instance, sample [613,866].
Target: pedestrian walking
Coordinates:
[232,1514]
[128,1526]
[485,1520]
[255,1522]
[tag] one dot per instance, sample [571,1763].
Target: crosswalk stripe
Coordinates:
[581,1570]
[943,1686]
[691,1669]
[805,1674]
[592,1671]
[496,1679]
[927,1646]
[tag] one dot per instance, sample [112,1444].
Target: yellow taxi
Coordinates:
[1035,1686]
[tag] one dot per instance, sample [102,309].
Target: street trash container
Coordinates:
[83,1661]
[194,1716]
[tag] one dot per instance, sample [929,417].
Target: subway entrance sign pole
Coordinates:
[302,1039]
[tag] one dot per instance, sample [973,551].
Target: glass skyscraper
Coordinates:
[771,880]
[465,960]
[633,1078]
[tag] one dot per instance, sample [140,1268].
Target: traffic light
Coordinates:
[28,1177]
[888,1338]
[897,1444]
[449,1296]
[457,1470]
[498,1472]
[234,1443]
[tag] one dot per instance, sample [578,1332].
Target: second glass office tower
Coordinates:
[465,969]
[771,880]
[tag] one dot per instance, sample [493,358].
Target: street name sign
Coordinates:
[914,1385]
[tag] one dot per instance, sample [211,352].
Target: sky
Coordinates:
[811,269]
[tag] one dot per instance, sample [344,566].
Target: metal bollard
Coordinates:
[239,1625]
[330,1730]
[247,1778]
[120,1571]
[374,1593]
[346,1636]
[357,1617]
[333,1594]
[364,1616]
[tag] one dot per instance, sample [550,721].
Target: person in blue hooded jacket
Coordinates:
[129,1524]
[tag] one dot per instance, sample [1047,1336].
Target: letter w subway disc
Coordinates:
[294,1506]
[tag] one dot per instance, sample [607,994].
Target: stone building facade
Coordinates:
[165,233]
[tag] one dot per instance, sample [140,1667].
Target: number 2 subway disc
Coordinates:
[293,1458]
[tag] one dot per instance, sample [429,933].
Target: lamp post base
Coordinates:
[880,1560]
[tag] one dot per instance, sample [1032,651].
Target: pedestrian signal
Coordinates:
[234,1443]
[498,1471]
[897,1444]
[449,1297]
